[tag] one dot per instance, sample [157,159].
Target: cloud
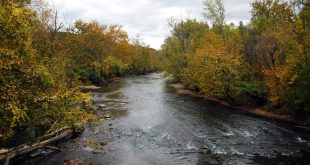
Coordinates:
[148,18]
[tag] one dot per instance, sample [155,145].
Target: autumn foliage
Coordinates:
[266,60]
[43,63]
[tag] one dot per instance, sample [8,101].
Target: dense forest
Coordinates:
[265,62]
[43,62]
[46,65]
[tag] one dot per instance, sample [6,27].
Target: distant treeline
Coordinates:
[266,61]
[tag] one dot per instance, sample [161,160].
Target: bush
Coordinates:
[254,90]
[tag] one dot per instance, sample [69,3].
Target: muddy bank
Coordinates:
[258,111]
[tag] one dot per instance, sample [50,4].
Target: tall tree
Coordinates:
[215,12]
[186,38]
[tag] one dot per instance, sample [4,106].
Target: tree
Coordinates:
[301,27]
[186,38]
[215,12]
[54,26]
[215,68]
[30,95]
[270,14]
[297,79]
[18,3]
[40,63]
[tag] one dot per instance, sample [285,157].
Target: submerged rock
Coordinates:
[213,162]
[204,151]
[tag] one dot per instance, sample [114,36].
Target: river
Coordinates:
[151,124]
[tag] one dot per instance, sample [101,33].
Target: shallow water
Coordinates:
[151,124]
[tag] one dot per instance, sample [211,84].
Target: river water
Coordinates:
[151,124]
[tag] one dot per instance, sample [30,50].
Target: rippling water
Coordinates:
[153,125]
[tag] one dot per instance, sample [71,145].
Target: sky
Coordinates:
[146,18]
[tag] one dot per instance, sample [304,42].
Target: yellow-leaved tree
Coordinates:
[214,68]
[30,95]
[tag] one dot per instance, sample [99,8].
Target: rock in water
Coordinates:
[204,151]
[227,135]
[90,87]
[97,151]
[204,146]
[104,143]
[101,105]
[107,116]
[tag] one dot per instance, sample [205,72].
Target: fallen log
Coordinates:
[8,154]
[45,137]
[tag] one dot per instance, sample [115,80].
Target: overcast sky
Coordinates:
[148,18]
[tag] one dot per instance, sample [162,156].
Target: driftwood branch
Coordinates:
[304,128]
[8,154]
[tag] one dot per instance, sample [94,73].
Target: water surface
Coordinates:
[151,124]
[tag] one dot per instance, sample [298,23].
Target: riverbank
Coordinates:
[257,111]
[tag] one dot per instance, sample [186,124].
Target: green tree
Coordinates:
[215,12]
[186,37]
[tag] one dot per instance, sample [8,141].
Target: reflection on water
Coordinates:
[150,124]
